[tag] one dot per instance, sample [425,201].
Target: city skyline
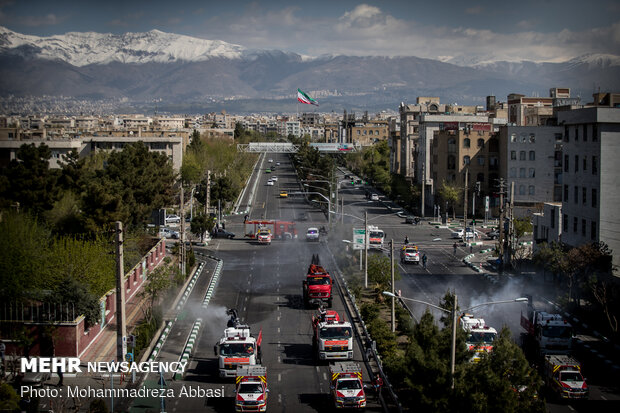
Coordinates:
[454,32]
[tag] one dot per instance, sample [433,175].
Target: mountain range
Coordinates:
[186,72]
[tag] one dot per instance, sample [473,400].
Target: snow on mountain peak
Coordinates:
[81,49]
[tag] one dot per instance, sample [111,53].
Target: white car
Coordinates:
[312,234]
[270,161]
[168,233]
[277,163]
[274,178]
[173,219]
[458,234]
[374,197]
[270,182]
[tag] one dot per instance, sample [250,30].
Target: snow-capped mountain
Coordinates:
[81,49]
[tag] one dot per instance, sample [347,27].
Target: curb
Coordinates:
[190,287]
[213,283]
[161,340]
[189,346]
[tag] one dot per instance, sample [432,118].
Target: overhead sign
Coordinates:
[358,238]
[481,126]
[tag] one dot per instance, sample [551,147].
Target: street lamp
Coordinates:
[329,205]
[453,313]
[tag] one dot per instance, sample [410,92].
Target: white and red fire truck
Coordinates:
[251,389]
[237,347]
[480,337]
[333,336]
[347,387]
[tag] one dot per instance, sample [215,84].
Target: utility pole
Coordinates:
[182,249]
[465,206]
[511,228]
[423,187]
[392,273]
[208,198]
[502,214]
[365,249]
[121,327]
[453,355]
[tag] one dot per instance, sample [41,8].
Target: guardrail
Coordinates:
[161,340]
[351,305]
[189,346]
[213,282]
[190,287]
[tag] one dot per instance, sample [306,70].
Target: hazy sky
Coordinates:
[540,30]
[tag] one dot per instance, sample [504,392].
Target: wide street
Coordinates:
[264,283]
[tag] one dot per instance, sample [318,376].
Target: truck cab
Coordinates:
[332,336]
[317,287]
[550,333]
[238,347]
[251,389]
[347,387]
[376,237]
[480,337]
[563,376]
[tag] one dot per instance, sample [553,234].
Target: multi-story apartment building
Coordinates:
[530,156]
[167,123]
[591,194]
[547,225]
[369,132]
[517,105]
[457,152]
[136,121]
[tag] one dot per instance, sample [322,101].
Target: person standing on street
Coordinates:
[424,259]
[454,246]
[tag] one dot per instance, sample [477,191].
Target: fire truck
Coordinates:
[563,376]
[237,347]
[251,389]
[317,287]
[347,387]
[480,337]
[546,333]
[376,237]
[332,336]
[278,229]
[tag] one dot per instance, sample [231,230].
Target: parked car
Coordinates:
[173,219]
[168,233]
[270,182]
[469,233]
[222,233]
[35,379]
[494,234]
[312,234]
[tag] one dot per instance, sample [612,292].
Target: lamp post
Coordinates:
[453,313]
[329,205]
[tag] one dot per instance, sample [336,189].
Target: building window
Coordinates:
[576,195]
[576,163]
[593,197]
[466,143]
[493,162]
[513,155]
[532,190]
[532,138]
[513,137]
[359,132]
[513,172]
[521,189]
[523,137]
[493,145]
[451,162]
[583,227]
[585,133]
[575,224]
[480,177]
[565,193]
[521,172]
[532,173]
[481,160]
[552,218]
[481,143]
[565,163]
[594,132]
[576,133]
[594,165]
[522,155]
[565,223]
[584,195]
[585,163]
[593,230]
[466,160]
[558,137]
[532,155]
[451,145]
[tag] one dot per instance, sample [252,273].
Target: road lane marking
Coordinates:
[571,407]
[278,318]
[279,376]
[603,397]
[278,329]
[278,343]
[324,376]
[280,398]
[279,359]
[244,309]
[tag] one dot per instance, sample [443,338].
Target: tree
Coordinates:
[70,290]
[29,180]
[450,194]
[239,131]
[158,282]
[9,399]
[379,271]
[223,190]
[202,224]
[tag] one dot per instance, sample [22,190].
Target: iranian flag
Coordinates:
[304,98]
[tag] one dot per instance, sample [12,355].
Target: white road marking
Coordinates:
[317,368]
[603,397]
[244,309]
[278,343]
[324,376]
[571,407]
[280,398]
[278,318]
[279,376]
[278,329]
[279,359]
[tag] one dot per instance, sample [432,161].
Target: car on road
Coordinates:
[168,233]
[283,194]
[268,171]
[278,163]
[493,234]
[270,182]
[222,233]
[302,216]
[173,219]
[312,234]
[270,161]
[374,197]
[409,253]
[410,219]
[264,236]
[274,178]
[469,233]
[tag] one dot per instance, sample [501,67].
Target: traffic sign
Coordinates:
[359,234]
